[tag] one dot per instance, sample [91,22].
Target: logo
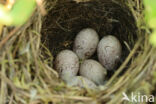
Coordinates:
[138,98]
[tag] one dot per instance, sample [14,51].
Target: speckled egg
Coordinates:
[82,82]
[67,64]
[109,52]
[94,71]
[85,43]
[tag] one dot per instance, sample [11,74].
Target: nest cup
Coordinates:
[67,18]
[27,75]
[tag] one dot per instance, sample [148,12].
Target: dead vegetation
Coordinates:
[27,53]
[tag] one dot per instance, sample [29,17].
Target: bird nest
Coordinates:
[27,53]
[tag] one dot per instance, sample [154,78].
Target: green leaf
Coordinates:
[150,17]
[153,38]
[5,18]
[19,14]
[22,10]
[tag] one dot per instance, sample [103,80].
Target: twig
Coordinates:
[8,37]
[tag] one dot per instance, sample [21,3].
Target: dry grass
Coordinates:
[27,76]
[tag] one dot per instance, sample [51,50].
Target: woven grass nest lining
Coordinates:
[27,74]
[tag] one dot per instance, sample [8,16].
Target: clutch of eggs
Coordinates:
[109,52]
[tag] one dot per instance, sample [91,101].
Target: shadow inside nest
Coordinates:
[107,17]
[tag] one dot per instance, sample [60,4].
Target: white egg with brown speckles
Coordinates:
[82,82]
[109,52]
[85,43]
[67,64]
[94,71]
